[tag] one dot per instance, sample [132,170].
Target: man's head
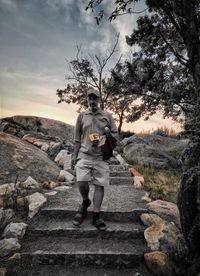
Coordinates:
[92,91]
[93,99]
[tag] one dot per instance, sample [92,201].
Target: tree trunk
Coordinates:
[189,190]
[120,124]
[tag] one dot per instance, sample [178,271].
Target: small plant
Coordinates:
[6,199]
[10,198]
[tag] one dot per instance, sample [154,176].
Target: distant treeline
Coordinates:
[163,131]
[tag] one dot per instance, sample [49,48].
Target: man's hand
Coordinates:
[107,130]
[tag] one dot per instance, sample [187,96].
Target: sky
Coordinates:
[38,38]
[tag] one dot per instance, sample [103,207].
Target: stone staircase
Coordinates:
[53,246]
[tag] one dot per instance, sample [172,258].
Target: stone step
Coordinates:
[116,168]
[93,252]
[120,203]
[60,212]
[121,180]
[46,226]
[120,173]
[114,161]
[58,270]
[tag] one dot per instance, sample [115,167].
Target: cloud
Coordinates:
[8,4]
[122,24]
[102,36]
[124,27]
[57,4]
[31,41]
[43,24]
[12,74]
[26,86]
[85,16]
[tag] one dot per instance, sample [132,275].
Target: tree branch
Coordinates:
[177,55]
[173,21]
[111,52]
[128,12]
[81,81]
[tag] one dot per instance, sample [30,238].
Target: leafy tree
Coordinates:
[122,103]
[169,41]
[92,71]
[159,86]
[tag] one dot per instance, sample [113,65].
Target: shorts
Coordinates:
[95,171]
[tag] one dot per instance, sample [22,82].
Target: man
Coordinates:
[91,127]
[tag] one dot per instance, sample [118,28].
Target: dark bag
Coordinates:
[108,147]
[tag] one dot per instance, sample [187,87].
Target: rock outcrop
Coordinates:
[21,125]
[19,158]
[154,150]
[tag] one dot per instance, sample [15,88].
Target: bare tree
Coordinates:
[93,71]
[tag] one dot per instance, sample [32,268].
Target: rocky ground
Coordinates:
[37,236]
[135,243]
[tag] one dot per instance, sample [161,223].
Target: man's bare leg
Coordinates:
[83,189]
[97,202]
[82,212]
[98,198]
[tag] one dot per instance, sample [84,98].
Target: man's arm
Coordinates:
[77,140]
[113,128]
[75,155]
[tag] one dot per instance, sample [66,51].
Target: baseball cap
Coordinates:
[92,91]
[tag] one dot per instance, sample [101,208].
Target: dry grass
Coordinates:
[161,184]
[170,132]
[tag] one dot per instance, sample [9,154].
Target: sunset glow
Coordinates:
[38,39]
